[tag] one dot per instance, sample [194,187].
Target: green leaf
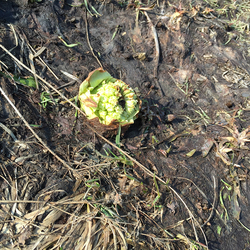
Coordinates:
[218,230]
[154,139]
[68,45]
[35,126]
[158,191]
[72,5]
[86,5]
[97,77]
[30,81]
[116,29]
[83,87]
[191,153]
[132,178]
[229,187]
[118,136]
[97,13]
[92,183]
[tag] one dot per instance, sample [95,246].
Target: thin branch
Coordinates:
[37,54]
[8,131]
[157,47]
[157,51]
[213,206]
[87,35]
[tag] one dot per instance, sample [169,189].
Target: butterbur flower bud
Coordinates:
[107,101]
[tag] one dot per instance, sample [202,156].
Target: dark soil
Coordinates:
[198,91]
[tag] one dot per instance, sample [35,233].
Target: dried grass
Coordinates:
[88,218]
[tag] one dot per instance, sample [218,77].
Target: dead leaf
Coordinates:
[65,125]
[238,139]
[221,151]
[234,202]
[118,199]
[122,183]
[24,236]
[130,147]
[172,206]
[206,147]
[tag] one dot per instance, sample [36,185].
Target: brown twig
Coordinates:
[37,54]
[87,36]
[213,206]
[157,50]
[157,47]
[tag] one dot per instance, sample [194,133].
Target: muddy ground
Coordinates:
[192,131]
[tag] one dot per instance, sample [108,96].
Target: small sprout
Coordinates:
[158,192]
[118,137]
[154,139]
[47,98]
[116,30]
[92,183]
[68,45]
[219,230]
[229,187]
[191,153]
